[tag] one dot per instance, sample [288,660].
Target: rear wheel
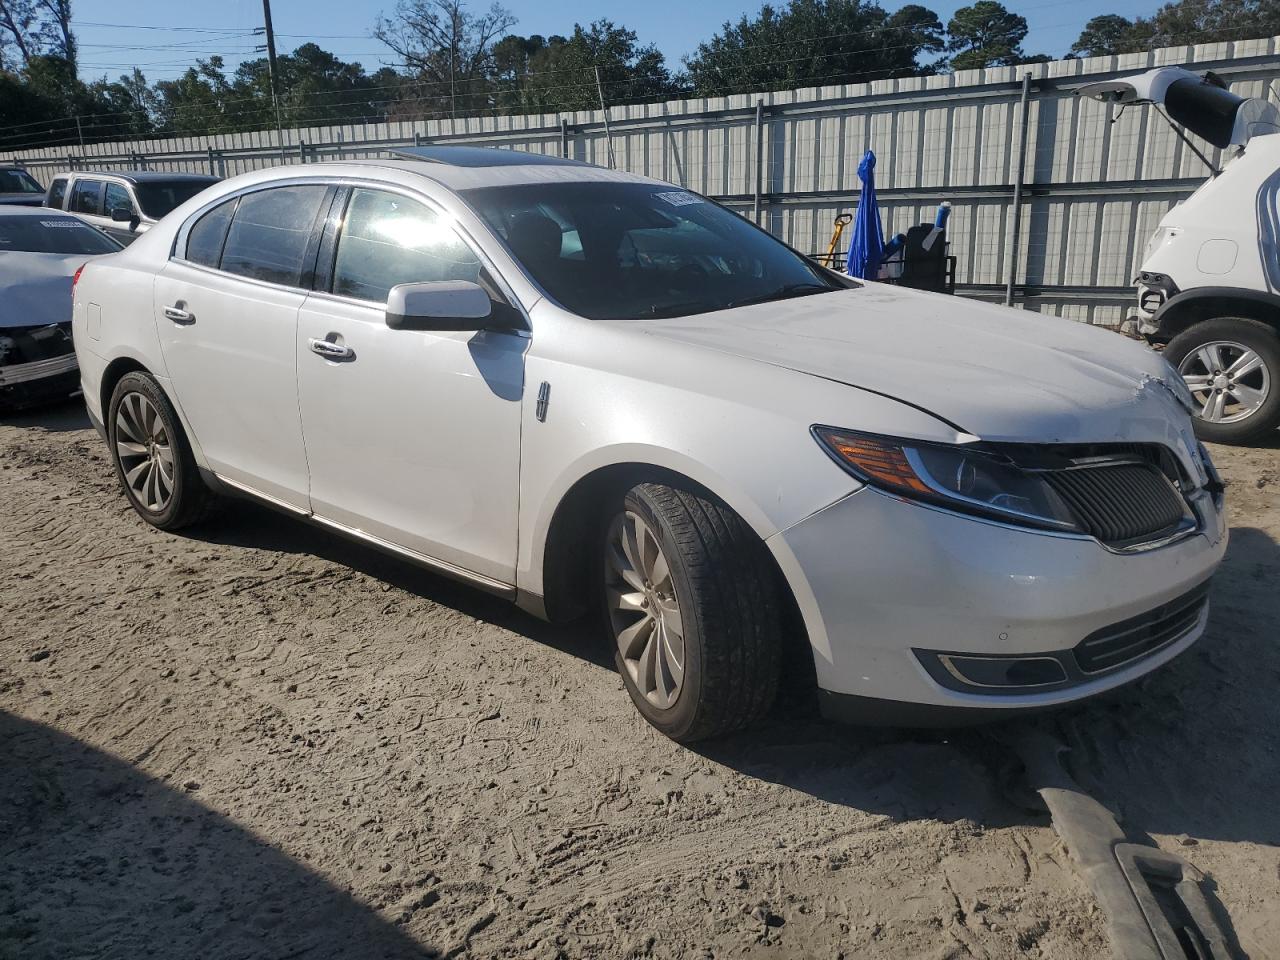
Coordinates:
[692,603]
[152,457]
[1232,367]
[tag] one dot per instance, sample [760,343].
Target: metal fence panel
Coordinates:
[1096,180]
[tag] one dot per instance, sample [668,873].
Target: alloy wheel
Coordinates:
[1229,381]
[145,451]
[644,611]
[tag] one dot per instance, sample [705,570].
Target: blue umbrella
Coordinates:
[867,246]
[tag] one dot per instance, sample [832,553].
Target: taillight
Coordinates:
[75,278]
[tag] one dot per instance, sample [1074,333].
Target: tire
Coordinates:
[1227,339]
[145,437]
[727,605]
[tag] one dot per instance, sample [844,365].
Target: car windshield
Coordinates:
[158,197]
[612,251]
[53,234]
[18,181]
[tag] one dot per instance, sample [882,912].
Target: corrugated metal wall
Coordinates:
[1096,180]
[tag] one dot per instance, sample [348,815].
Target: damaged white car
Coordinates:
[40,251]
[592,392]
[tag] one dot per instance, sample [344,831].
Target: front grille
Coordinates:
[1120,503]
[1144,634]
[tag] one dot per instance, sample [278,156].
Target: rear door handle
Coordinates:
[179,315]
[330,350]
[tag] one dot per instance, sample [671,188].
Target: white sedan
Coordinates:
[40,251]
[596,393]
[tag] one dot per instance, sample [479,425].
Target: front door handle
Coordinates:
[177,314]
[330,350]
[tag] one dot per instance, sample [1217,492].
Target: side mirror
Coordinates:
[443,305]
[123,215]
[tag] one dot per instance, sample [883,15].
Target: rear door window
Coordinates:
[388,239]
[57,193]
[87,197]
[270,233]
[117,198]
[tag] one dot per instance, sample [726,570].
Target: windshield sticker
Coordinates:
[679,198]
[62,223]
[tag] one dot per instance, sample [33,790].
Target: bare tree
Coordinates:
[36,28]
[17,29]
[55,28]
[447,46]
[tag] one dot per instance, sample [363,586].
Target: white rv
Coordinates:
[1209,285]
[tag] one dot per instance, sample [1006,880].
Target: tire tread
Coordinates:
[737,608]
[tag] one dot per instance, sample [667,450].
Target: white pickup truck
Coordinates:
[1209,284]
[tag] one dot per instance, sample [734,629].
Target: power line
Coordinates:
[365,95]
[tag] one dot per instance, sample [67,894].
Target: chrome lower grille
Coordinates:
[1142,635]
[1120,502]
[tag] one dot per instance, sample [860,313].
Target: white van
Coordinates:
[1209,285]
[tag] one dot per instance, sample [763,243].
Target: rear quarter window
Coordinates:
[208,234]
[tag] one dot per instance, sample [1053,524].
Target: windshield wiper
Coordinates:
[785,293]
[677,309]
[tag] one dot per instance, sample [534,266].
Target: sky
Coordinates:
[163,37]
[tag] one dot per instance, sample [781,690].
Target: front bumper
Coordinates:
[1154,291]
[884,585]
[36,363]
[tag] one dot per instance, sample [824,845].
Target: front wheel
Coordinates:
[1232,367]
[692,602]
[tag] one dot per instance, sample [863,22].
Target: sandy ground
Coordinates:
[256,740]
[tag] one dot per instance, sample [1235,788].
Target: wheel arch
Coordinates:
[113,374]
[125,364]
[1207,303]
[566,548]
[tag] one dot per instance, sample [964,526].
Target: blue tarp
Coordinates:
[867,246]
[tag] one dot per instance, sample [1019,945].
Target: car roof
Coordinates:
[143,176]
[464,168]
[46,212]
[462,156]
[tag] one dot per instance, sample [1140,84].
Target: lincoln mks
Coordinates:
[600,394]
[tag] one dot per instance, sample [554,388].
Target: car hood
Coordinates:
[22,199]
[35,288]
[992,372]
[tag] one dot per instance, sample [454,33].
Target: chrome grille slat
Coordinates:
[1153,641]
[1140,636]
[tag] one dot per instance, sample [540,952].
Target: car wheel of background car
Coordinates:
[1232,367]
[693,605]
[152,456]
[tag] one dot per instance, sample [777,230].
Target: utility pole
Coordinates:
[604,109]
[272,70]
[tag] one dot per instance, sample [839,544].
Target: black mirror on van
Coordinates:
[124,215]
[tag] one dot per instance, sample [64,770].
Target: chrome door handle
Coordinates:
[330,350]
[178,315]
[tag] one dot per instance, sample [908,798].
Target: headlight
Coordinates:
[948,475]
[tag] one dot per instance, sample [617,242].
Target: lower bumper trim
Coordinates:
[874,712]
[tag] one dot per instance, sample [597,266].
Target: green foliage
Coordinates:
[987,35]
[458,61]
[813,42]
[1180,23]
[1103,36]
[559,74]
